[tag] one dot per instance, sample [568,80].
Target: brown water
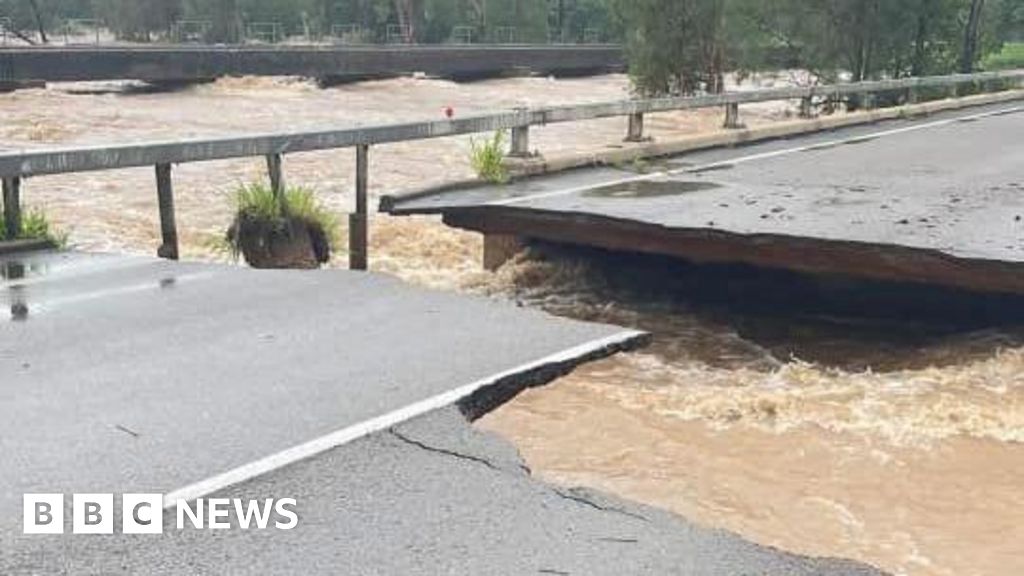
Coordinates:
[796,424]
[792,420]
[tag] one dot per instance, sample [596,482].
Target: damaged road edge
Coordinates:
[473,401]
[488,398]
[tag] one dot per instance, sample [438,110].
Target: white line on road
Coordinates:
[381,423]
[750,158]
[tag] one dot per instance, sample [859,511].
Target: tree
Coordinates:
[34,4]
[675,46]
[971,36]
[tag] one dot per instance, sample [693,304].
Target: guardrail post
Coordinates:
[520,147]
[276,177]
[12,207]
[912,96]
[807,107]
[168,227]
[732,116]
[868,102]
[635,133]
[358,221]
[520,142]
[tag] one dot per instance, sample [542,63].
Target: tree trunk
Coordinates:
[408,11]
[39,20]
[970,52]
[917,67]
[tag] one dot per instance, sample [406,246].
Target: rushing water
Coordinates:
[783,409]
[787,410]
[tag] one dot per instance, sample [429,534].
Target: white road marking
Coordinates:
[750,158]
[380,423]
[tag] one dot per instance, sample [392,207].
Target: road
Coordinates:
[936,200]
[345,391]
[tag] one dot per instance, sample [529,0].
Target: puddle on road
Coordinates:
[650,189]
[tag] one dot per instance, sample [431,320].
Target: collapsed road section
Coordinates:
[344,393]
[935,200]
[187,378]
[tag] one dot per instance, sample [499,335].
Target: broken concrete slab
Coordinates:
[934,200]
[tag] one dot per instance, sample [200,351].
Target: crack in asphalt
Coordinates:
[568,494]
[444,451]
[571,495]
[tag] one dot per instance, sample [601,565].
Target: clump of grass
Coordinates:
[36,226]
[488,158]
[261,213]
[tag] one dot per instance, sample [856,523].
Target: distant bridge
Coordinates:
[328,63]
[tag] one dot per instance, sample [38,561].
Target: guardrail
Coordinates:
[15,166]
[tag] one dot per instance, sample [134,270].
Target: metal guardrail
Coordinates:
[14,166]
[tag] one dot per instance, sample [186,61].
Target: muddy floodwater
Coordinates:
[796,421]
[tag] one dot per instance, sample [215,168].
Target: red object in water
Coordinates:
[449,111]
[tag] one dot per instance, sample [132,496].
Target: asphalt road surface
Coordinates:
[123,375]
[946,189]
[432,496]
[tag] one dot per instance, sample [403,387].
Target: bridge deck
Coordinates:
[936,200]
[177,63]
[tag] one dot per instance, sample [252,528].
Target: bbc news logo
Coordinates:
[144,514]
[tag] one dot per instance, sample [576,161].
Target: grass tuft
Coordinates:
[258,208]
[488,158]
[36,226]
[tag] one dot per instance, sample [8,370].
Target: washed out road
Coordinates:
[124,374]
[936,199]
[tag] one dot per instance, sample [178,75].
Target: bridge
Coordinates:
[328,62]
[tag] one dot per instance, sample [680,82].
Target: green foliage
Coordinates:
[258,208]
[488,158]
[429,21]
[36,226]
[684,46]
[1010,57]
[675,46]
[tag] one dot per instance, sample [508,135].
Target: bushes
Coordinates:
[36,226]
[1011,57]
